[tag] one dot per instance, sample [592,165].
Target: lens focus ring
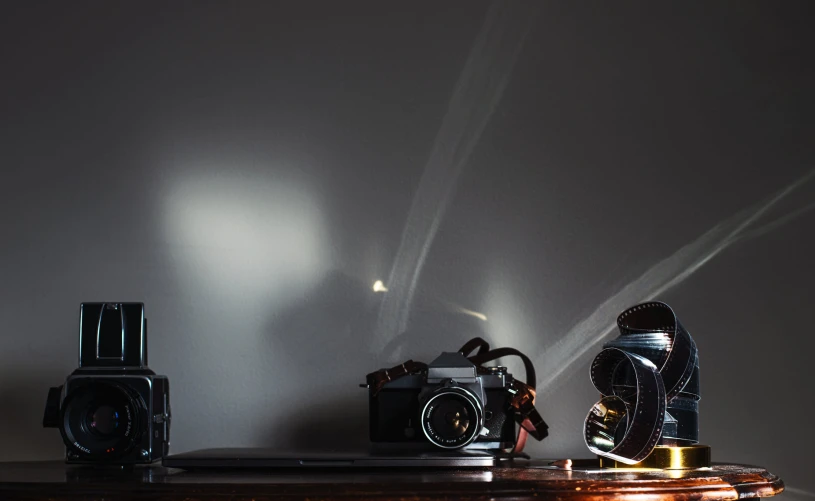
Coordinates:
[452,418]
[101,420]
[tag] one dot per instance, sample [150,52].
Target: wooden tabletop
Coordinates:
[528,480]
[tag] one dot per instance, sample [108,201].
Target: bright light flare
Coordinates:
[472,313]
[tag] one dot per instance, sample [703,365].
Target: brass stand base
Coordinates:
[668,458]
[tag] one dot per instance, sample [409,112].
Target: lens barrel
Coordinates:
[452,417]
[100,420]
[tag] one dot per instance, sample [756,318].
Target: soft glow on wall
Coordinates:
[508,324]
[248,234]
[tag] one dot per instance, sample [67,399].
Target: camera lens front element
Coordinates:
[100,420]
[103,420]
[452,418]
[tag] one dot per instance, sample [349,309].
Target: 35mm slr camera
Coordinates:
[449,406]
[113,408]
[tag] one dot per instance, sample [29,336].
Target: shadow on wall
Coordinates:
[321,338]
[431,332]
[330,332]
[23,402]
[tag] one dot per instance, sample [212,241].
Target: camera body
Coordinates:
[113,408]
[448,406]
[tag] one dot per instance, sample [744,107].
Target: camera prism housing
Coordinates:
[448,406]
[113,408]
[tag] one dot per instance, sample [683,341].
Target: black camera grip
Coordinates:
[51,417]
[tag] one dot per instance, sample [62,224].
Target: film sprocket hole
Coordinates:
[113,408]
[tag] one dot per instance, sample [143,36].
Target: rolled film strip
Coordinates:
[649,381]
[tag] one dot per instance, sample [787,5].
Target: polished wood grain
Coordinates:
[525,480]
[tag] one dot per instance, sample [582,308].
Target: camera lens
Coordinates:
[103,420]
[452,418]
[100,419]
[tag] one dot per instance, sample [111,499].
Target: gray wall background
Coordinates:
[246,169]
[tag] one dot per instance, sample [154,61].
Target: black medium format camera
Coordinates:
[449,406]
[113,408]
